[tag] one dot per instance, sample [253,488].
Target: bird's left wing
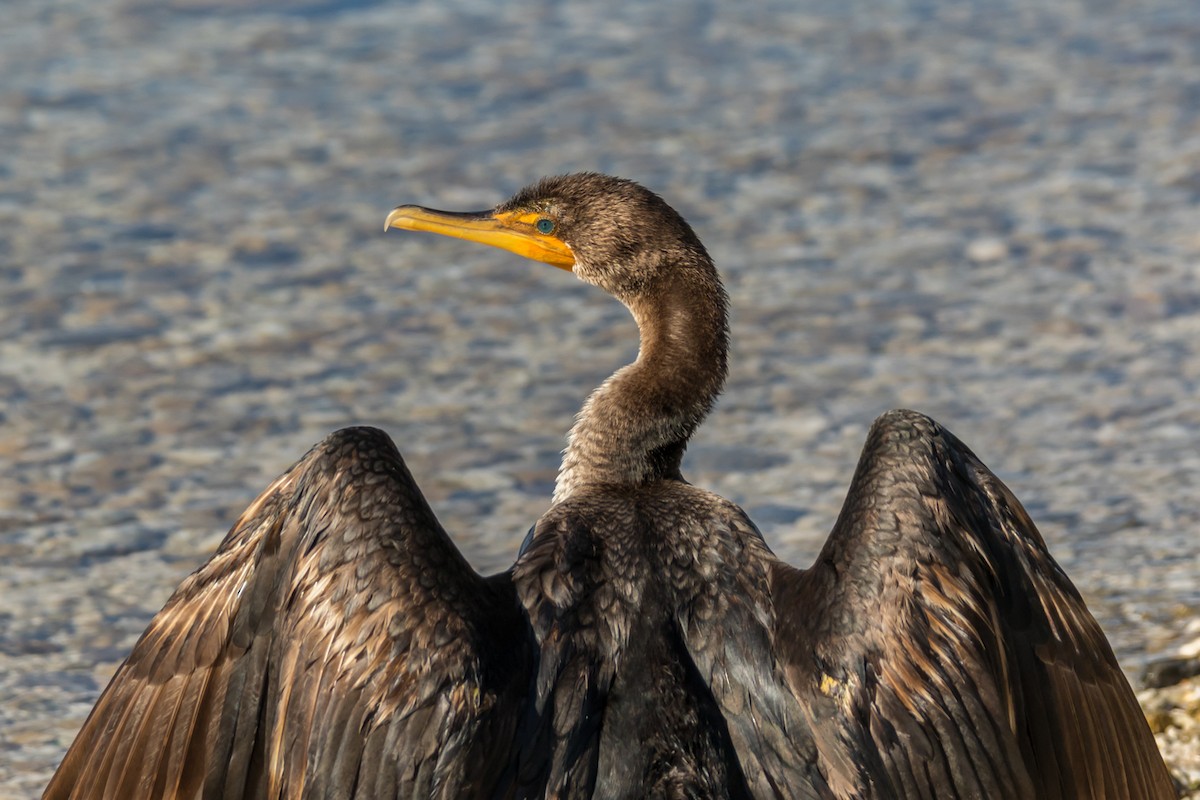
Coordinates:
[337,644]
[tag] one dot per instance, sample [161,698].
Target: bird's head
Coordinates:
[610,232]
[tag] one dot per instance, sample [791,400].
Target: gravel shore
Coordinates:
[989,212]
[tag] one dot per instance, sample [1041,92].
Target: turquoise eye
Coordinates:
[545,225]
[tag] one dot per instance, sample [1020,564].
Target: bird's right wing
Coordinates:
[939,650]
[337,644]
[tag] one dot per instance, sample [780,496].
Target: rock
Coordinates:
[985,250]
[1169,671]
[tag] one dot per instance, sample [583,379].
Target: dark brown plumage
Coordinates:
[646,643]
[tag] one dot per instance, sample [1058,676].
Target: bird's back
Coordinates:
[651,608]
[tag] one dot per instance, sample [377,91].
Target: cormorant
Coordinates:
[646,643]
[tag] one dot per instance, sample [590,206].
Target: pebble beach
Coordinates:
[985,211]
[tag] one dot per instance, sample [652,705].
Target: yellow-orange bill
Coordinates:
[508,231]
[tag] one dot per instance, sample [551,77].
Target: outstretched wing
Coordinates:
[939,650]
[337,644]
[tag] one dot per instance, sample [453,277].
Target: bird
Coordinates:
[646,642]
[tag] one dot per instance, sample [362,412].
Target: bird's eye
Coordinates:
[545,226]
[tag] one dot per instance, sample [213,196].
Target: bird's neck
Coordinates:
[634,428]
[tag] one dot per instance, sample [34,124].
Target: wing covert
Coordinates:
[337,644]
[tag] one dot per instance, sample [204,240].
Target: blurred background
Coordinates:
[987,211]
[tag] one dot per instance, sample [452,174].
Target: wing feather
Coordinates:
[336,645]
[960,660]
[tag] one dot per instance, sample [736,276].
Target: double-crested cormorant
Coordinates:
[646,643]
